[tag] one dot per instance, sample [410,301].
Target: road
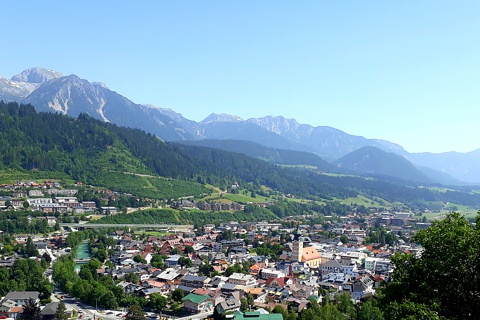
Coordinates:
[131,225]
[87,311]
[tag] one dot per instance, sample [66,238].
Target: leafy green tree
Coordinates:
[158,302]
[61,312]
[444,279]
[135,312]
[109,300]
[185,262]
[178,294]
[188,249]
[344,239]
[30,248]
[281,310]
[157,261]
[132,277]
[176,251]
[413,311]
[206,269]
[100,254]
[243,304]
[138,258]
[367,311]
[345,305]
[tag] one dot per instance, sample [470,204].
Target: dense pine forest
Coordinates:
[130,160]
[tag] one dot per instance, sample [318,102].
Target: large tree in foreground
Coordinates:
[444,280]
[61,313]
[135,312]
[31,311]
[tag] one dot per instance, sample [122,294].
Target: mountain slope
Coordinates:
[242,130]
[37,75]
[329,143]
[51,91]
[463,166]
[371,160]
[275,156]
[72,95]
[130,160]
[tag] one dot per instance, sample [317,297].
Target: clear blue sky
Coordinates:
[404,71]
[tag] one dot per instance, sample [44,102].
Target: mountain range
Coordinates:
[51,91]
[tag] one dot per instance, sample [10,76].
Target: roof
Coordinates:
[254,291]
[195,298]
[230,304]
[310,253]
[258,315]
[191,277]
[50,309]
[22,295]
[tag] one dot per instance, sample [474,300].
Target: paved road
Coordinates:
[87,311]
[132,225]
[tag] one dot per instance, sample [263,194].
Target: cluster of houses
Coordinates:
[11,306]
[214,205]
[306,270]
[49,198]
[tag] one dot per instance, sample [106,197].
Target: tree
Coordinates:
[61,313]
[281,310]
[135,312]
[132,277]
[344,239]
[188,249]
[250,300]
[157,261]
[109,300]
[30,248]
[178,294]
[243,304]
[345,305]
[367,311]
[176,251]
[444,279]
[139,259]
[206,269]
[31,311]
[157,301]
[185,262]
[100,254]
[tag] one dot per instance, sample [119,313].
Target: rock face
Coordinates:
[37,75]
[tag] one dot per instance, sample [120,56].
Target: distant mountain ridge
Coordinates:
[52,91]
[272,155]
[373,161]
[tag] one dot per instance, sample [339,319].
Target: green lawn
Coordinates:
[468,212]
[361,200]
[245,199]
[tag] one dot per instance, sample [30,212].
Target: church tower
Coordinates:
[297,251]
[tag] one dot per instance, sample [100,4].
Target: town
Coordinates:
[234,269]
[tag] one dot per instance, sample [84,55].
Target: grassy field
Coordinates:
[245,198]
[11,176]
[468,212]
[361,200]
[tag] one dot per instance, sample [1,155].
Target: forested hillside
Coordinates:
[130,160]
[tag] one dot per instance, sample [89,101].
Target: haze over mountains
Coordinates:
[51,91]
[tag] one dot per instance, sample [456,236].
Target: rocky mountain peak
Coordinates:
[278,124]
[221,118]
[37,75]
